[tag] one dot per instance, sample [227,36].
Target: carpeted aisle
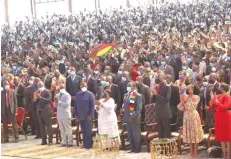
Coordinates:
[42,152]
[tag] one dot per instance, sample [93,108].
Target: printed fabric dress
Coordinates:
[107,119]
[192,128]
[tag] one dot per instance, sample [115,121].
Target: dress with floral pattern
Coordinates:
[192,128]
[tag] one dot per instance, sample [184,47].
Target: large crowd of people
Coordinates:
[176,56]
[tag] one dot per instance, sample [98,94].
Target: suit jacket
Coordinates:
[60,80]
[147,81]
[136,115]
[175,96]
[123,91]
[44,102]
[115,94]
[29,97]
[47,79]
[145,91]
[20,95]
[84,105]
[162,100]
[169,71]
[92,85]
[13,104]
[63,106]
[117,79]
[73,86]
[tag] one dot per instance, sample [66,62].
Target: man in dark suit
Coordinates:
[91,81]
[73,85]
[118,76]
[132,106]
[161,97]
[168,70]
[175,97]
[29,105]
[44,113]
[123,88]
[115,92]
[46,77]
[146,94]
[9,108]
[84,112]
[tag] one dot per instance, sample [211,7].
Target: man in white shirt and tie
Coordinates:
[63,102]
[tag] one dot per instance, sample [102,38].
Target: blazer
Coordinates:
[169,71]
[117,79]
[161,101]
[29,97]
[84,105]
[44,102]
[73,86]
[136,115]
[175,96]
[64,106]
[47,79]
[145,91]
[115,94]
[13,104]
[123,91]
[147,81]
[92,85]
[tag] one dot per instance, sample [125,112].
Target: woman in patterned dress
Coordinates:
[192,128]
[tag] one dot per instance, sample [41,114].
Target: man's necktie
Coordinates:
[7,99]
[158,89]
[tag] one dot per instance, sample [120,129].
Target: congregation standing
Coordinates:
[170,56]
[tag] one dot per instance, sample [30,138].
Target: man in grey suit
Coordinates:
[44,113]
[161,97]
[9,108]
[63,102]
[131,117]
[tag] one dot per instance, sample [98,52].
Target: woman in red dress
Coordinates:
[222,104]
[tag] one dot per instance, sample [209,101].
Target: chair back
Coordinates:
[20,116]
[150,114]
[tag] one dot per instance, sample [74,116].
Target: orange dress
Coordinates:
[222,118]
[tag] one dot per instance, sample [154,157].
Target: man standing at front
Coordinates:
[84,110]
[63,100]
[44,113]
[132,116]
[9,108]
[161,97]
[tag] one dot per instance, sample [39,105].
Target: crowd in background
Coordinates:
[178,57]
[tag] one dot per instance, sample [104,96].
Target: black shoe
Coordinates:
[69,145]
[16,140]
[63,145]
[43,143]
[37,137]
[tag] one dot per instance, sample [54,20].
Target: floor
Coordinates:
[89,154]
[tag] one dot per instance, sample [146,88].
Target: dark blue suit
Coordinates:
[84,107]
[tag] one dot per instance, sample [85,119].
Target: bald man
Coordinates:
[44,113]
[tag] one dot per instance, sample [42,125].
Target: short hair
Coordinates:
[225,87]
[108,91]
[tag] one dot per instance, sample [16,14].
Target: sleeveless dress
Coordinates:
[192,128]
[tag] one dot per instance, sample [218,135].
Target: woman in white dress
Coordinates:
[107,119]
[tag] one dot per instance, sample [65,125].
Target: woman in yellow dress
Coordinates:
[192,128]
